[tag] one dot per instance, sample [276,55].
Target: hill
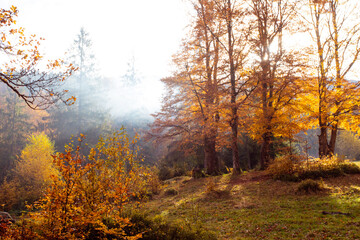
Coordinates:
[253,206]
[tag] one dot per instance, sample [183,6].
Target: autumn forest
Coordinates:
[259,114]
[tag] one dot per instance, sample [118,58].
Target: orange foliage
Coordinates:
[87,197]
[21,73]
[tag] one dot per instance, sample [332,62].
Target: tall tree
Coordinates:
[191,108]
[14,127]
[235,45]
[277,70]
[81,55]
[336,33]
[87,115]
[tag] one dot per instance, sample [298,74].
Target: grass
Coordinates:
[253,206]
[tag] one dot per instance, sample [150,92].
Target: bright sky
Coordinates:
[149,30]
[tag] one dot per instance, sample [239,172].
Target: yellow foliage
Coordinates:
[8,194]
[32,172]
[35,164]
[290,167]
[284,165]
[325,163]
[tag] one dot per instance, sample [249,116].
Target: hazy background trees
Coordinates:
[88,115]
[17,123]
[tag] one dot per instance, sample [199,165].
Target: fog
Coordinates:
[148,31]
[129,49]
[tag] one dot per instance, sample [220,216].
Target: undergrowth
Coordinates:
[294,168]
[310,186]
[157,227]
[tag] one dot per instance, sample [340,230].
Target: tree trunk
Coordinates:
[211,162]
[327,148]
[235,149]
[233,93]
[265,154]
[332,143]
[323,144]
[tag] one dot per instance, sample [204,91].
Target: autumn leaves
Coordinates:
[237,73]
[23,73]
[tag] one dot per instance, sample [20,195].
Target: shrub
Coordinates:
[165,173]
[350,168]
[288,177]
[309,186]
[9,196]
[283,166]
[210,185]
[321,173]
[179,171]
[197,173]
[154,183]
[286,169]
[19,231]
[171,192]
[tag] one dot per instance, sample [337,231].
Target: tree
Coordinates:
[238,80]
[87,115]
[17,123]
[81,55]
[36,87]
[336,33]
[229,58]
[190,110]
[32,172]
[131,77]
[14,128]
[278,73]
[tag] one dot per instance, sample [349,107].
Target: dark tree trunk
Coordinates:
[323,144]
[327,148]
[266,149]
[332,143]
[233,93]
[235,149]
[211,162]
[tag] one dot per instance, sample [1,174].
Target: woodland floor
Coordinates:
[253,206]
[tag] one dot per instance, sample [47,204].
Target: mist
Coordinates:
[124,100]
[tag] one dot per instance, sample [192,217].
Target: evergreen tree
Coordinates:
[87,115]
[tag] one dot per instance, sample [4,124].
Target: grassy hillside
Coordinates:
[253,206]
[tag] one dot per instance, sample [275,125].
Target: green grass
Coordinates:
[254,206]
